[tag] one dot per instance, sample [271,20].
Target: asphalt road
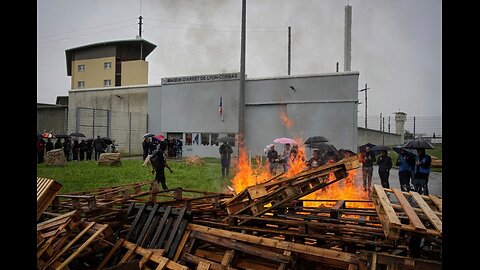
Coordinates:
[434,181]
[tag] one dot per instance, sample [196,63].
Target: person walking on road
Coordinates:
[384,163]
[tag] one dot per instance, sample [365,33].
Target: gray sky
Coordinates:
[396,44]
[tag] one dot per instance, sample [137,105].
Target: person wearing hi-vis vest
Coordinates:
[423,163]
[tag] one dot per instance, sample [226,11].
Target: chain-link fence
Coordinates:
[126,128]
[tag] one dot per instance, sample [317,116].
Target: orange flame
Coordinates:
[285,120]
[246,175]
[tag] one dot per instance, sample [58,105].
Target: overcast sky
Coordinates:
[396,44]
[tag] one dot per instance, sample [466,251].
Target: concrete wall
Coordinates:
[323,105]
[377,137]
[134,73]
[94,73]
[124,120]
[53,120]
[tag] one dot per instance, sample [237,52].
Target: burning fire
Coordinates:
[342,190]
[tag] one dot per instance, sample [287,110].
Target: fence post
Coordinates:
[129,133]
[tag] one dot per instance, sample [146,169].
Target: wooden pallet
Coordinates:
[153,258]
[60,240]
[158,227]
[407,211]
[260,199]
[47,189]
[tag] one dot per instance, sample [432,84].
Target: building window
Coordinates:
[107,82]
[205,137]
[188,138]
[81,68]
[107,65]
[80,84]
[214,139]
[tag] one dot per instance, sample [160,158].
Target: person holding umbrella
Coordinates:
[405,163]
[423,163]
[272,156]
[384,163]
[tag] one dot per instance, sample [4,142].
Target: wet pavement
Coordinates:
[434,181]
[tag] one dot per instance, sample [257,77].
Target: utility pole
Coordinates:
[361,90]
[241,131]
[414,127]
[337,66]
[289,47]
[389,124]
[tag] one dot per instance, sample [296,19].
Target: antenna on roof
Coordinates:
[140,26]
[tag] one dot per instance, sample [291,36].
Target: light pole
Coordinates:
[361,90]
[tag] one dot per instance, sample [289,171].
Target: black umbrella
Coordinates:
[226,139]
[419,143]
[316,139]
[107,140]
[361,148]
[323,147]
[90,140]
[346,153]
[398,150]
[77,134]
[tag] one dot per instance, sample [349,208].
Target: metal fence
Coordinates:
[126,128]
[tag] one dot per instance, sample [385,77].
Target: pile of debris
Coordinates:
[194,161]
[266,226]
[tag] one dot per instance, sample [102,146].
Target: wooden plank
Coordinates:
[135,222]
[176,240]
[128,256]
[181,245]
[144,259]
[166,229]
[228,243]
[283,266]
[285,245]
[122,223]
[203,266]
[174,231]
[374,261]
[437,201]
[69,245]
[228,257]
[147,224]
[81,248]
[213,265]
[414,219]
[163,262]
[437,223]
[160,227]
[112,251]
[385,203]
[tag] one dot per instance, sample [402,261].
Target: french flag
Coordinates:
[220,107]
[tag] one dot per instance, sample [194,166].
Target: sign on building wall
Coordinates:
[201,78]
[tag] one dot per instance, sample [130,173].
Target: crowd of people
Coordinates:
[74,149]
[174,146]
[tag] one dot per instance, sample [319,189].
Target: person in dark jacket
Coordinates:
[83,149]
[161,165]
[423,163]
[89,149]
[225,151]
[384,163]
[147,148]
[367,159]
[58,144]
[67,146]
[99,146]
[49,145]
[273,159]
[75,149]
[405,165]
[40,149]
